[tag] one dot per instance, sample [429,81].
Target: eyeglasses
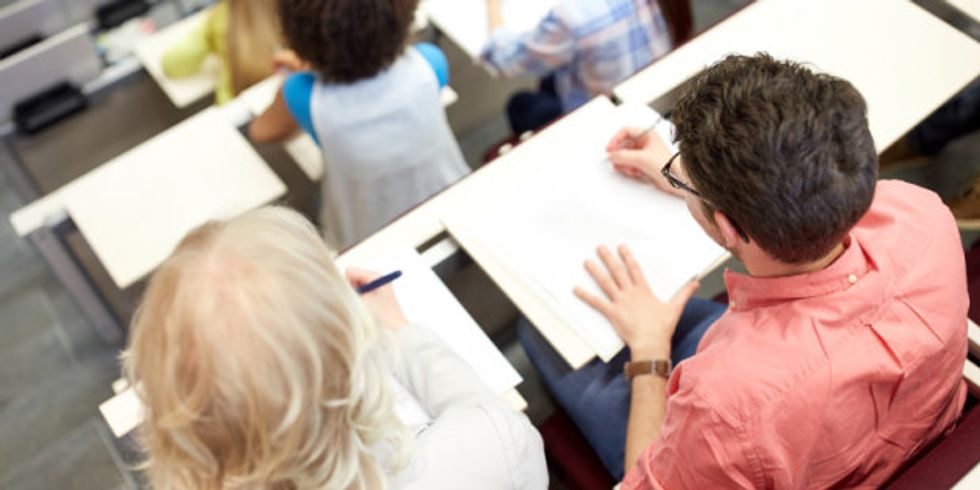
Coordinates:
[678,183]
[684,186]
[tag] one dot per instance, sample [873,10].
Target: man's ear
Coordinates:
[729,234]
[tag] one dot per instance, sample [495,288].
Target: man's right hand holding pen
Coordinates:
[640,154]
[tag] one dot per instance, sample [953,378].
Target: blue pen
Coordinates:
[379,282]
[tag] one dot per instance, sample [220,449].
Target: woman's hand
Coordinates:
[381,301]
[644,322]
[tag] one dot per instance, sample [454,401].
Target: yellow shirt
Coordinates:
[185,58]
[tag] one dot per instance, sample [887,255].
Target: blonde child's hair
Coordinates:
[258,365]
[254,36]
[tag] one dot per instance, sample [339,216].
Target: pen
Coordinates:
[379,282]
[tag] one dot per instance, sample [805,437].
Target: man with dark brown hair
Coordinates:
[841,352]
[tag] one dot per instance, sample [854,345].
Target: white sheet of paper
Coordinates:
[426,301]
[545,230]
[466,21]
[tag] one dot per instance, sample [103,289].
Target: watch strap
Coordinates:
[661,367]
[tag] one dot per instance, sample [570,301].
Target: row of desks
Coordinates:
[904,61]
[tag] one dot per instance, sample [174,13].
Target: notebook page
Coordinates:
[545,230]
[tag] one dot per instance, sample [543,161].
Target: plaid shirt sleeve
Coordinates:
[536,53]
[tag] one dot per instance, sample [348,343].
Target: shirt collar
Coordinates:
[747,292]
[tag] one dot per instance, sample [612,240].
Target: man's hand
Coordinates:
[644,322]
[641,154]
[381,301]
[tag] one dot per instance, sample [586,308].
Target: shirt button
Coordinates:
[853,279]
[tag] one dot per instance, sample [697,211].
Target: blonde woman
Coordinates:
[245,36]
[260,368]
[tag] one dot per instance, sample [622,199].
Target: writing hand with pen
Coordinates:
[379,295]
[640,154]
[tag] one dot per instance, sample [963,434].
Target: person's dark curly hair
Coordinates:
[784,152]
[347,40]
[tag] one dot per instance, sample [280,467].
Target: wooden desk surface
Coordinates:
[182,91]
[135,208]
[905,61]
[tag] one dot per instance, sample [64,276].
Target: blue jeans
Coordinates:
[596,396]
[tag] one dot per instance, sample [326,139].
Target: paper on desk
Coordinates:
[426,301]
[466,21]
[545,230]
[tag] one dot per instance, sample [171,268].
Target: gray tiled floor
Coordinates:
[53,374]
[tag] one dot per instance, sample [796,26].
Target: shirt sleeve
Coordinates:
[508,449]
[436,375]
[298,92]
[437,60]
[697,448]
[185,58]
[548,46]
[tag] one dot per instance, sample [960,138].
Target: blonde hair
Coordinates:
[259,366]
[253,37]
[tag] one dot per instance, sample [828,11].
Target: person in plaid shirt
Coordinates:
[580,49]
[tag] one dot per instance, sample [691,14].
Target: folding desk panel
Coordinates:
[905,61]
[134,209]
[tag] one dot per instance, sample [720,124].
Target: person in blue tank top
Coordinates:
[372,105]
